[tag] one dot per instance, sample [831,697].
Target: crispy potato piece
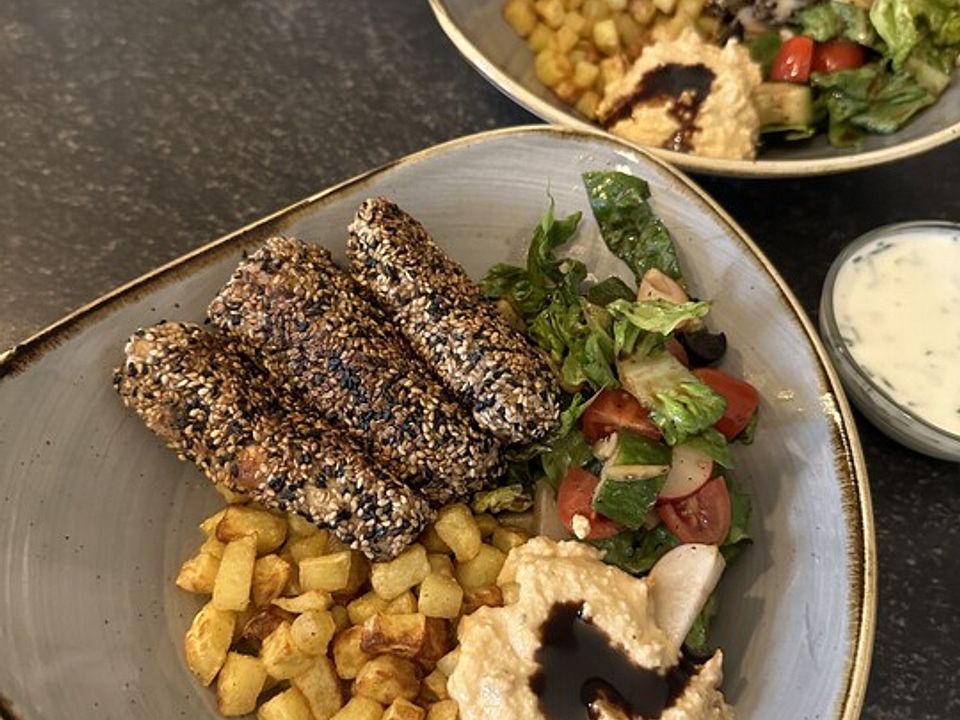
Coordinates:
[357,577]
[310,600]
[360,708]
[408,569]
[441,564]
[198,574]
[282,658]
[487,524]
[327,572]
[401,709]
[387,677]
[308,546]
[207,642]
[436,643]
[365,607]
[433,688]
[212,546]
[473,598]
[482,569]
[299,527]
[348,656]
[510,592]
[335,544]
[402,635]
[209,525]
[231,590]
[240,520]
[271,573]
[231,496]
[432,541]
[340,616]
[240,622]
[321,687]
[313,630]
[444,710]
[457,528]
[448,663]
[404,603]
[263,623]
[288,705]
[239,683]
[506,539]
[440,596]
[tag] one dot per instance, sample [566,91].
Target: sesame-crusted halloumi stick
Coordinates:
[307,322]
[460,334]
[216,409]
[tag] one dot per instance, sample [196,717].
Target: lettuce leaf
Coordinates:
[907,24]
[509,498]
[714,445]
[659,316]
[840,20]
[613,288]
[637,551]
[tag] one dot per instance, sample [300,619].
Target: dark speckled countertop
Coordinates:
[132,132]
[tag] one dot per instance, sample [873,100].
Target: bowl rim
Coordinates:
[727,167]
[833,340]
[861,609]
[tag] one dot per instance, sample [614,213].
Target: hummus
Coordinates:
[687,95]
[500,648]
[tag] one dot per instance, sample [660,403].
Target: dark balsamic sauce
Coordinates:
[682,87]
[579,667]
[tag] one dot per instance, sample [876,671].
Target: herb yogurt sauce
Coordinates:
[897,306]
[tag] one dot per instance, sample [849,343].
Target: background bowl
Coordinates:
[478,30]
[96,516]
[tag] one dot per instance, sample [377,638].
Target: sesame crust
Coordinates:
[456,331]
[306,321]
[216,409]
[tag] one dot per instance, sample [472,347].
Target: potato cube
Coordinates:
[365,607]
[288,705]
[308,547]
[643,11]
[240,520]
[436,642]
[386,678]
[327,572]
[401,709]
[262,623]
[577,23]
[551,68]
[340,616]
[487,524]
[606,37]
[321,687]
[567,91]
[443,710]
[390,579]
[207,642]
[440,596]
[489,595]
[401,635]
[238,684]
[282,658]
[611,70]
[551,12]
[434,687]
[630,30]
[594,10]
[667,7]
[448,663]
[198,574]
[313,630]
[360,708]
[520,15]
[209,525]
[348,656]
[231,496]
[271,573]
[565,39]
[310,600]
[617,6]
[440,564]
[300,527]
[359,573]
[506,539]
[402,604]
[432,541]
[482,569]
[212,546]
[539,38]
[455,523]
[573,4]
[231,590]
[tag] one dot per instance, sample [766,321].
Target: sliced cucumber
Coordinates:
[783,103]
[628,498]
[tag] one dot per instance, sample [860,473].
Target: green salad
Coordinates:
[641,461]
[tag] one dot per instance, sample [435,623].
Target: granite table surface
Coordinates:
[132,132]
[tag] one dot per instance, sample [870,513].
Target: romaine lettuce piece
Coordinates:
[907,24]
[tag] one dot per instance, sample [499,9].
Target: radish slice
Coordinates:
[689,470]
[680,584]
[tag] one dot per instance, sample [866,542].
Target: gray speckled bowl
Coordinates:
[96,516]
[478,30]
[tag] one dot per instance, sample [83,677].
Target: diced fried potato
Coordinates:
[584,76]
[443,710]
[262,623]
[567,91]
[327,572]
[594,11]
[489,595]
[487,524]
[565,39]
[401,709]
[402,635]
[198,574]
[643,11]
[271,573]
[510,592]
[458,529]
[436,643]
[212,546]
[448,663]
[310,600]
[207,642]
[573,4]
[359,573]
[239,683]
[231,496]
[340,616]
[360,708]
[667,7]
[606,37]
[434,687]
[240,622]
[365,607]
[308,546]
[432,541]
[387,677]
[240,520]
[551,67]
[347,653]
[300,527]
[539,38]
[575,22]
[551,12]
[321,687]
[313,630]
[520,15]
[482,569]
[231,590]
[405,602]
[335,544]
[440,596]
[209,525]
[282,658]
[288,705]
[506,539]
[390,579]
[440,564]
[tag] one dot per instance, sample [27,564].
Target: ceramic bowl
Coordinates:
[96,516]
[481,35]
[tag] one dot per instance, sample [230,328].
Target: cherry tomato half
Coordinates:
[836,55]
[615,409]
[742,400]
[704,517]
[575,497]
[793,60]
